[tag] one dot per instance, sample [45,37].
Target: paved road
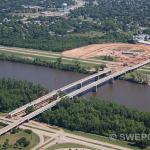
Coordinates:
[60,136]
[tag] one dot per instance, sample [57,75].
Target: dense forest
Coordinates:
[99,117]
[15,93]
[55,34]
[97,22]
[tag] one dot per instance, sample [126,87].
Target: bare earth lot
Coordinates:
[127,54]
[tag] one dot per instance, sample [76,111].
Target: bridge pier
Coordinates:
[71,98]
[94,89]
[79,85]
[111,81]
[97,78]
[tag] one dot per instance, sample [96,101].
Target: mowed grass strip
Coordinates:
[104,139]
[3,114]
[146,72]
[145,68]
[50,58]
[68,145]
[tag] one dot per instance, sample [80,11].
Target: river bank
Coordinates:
[75,66]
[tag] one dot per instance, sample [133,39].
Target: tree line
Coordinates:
[74,66]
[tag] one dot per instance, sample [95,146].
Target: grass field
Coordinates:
[145,72]
[145,69]
[3,114]
[44,55]
[33,138]
[106,58]
[104,139]
[68,145]
[1,127]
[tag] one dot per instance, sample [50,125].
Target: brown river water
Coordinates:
[122,92]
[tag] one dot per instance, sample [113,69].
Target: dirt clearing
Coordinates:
[127,54]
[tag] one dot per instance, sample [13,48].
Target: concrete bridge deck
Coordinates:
[71,95]
[63,89]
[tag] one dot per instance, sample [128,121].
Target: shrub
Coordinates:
[28,131]
[23,142]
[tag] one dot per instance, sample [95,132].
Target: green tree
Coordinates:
[23,142]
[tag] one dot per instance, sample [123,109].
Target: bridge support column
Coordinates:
[111,81]
[79,86]
[94,89]
[97,78]
[71,98]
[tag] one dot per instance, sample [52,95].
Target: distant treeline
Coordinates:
[99,117]
[59,44]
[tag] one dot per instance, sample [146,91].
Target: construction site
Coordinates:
[125,54]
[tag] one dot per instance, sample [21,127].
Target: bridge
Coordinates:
[82,86]
[66,89]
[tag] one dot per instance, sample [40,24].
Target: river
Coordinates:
[122,92]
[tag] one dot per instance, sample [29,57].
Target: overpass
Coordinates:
[72,94]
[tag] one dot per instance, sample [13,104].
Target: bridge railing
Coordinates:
[63,89]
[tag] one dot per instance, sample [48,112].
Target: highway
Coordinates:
[71,95]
